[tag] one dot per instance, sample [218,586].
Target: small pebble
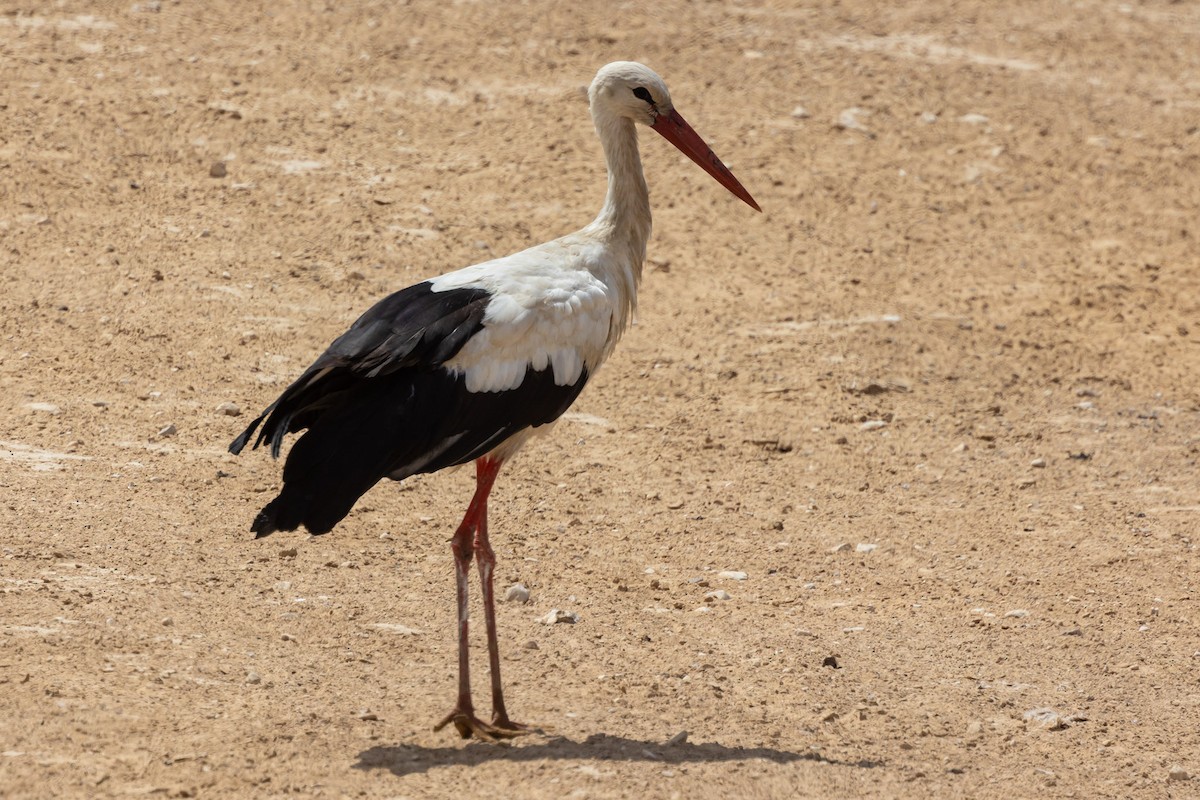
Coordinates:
[719,594]
[1017,613]
[848,120]
[253,678]
[229,409]
[678,738]
[863,547]
[45,408]
[517,593]
[841,548]
[973,119]
[1039,463]
[1178,773]
[732,575]
[367,716]
[167,621]
[872,425]
[167,431]
[218,170]
[556,616]
[800,112]
[1048,719]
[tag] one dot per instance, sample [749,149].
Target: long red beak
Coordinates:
[675,130]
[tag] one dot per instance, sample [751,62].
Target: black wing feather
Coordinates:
[379,404]
[408,422]
[412,328]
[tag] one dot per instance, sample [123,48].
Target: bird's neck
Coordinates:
[624,220]
[626,210]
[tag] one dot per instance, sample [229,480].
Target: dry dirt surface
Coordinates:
[891,492]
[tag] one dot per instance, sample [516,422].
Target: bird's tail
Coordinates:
[347,449]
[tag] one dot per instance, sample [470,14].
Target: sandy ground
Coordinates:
[939,402]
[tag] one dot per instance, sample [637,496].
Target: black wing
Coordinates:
[413,328]
[379,404]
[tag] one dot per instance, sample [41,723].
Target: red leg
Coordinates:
[487,565]
[466,540]
[462,547]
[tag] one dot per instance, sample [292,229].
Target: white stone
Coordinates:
[517,593]
[45,408]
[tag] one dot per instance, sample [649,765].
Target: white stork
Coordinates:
[469,365]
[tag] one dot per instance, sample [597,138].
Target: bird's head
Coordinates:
[628,90]
[631,90]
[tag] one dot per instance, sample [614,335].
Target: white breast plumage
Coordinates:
[540,316]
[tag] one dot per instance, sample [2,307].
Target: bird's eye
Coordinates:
[642,93]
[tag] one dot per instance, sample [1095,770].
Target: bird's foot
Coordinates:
[468,725]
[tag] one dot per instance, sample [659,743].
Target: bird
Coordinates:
[468,366]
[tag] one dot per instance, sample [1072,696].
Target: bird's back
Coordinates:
[437,375]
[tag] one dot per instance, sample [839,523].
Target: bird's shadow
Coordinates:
[403,760]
